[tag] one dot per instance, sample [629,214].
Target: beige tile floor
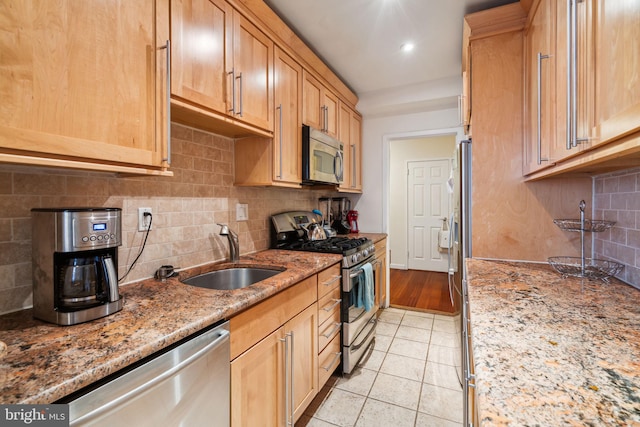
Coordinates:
[408,379]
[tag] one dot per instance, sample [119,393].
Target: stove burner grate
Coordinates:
[336,245]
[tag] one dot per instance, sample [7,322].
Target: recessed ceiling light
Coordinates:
[407,47]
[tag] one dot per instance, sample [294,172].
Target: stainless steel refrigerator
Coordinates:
[460,235]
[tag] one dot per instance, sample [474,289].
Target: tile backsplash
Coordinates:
[617,198]
[186,208]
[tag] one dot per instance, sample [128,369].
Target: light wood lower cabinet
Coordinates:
[258,384]
[329,360]
[274,354]
[277,373]
[329,324]
[381,273]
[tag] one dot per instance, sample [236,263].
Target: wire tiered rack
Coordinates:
[582,266]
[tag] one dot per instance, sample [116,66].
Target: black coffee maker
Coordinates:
[340,206]
[75,264]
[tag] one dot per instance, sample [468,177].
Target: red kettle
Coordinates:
[352,219]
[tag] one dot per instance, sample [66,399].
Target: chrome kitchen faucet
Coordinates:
[234,243]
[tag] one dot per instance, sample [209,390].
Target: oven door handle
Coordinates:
[356,347]
[356,273]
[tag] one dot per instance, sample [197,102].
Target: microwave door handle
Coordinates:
[338,166]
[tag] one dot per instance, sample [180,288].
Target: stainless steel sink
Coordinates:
[231,278]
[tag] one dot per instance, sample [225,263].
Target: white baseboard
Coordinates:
[398,266]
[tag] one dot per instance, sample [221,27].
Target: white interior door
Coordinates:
[428,203]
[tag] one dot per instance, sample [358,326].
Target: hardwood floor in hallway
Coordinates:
[420,290]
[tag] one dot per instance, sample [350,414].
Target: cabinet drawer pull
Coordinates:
[332,280]
[336,357]
[329,308]
[336,328]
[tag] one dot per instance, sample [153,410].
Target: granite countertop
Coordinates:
[550,350]
[44,362]
[375,237]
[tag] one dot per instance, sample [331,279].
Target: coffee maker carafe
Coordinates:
[75,264]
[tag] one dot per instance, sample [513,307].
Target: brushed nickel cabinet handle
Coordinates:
[539,112]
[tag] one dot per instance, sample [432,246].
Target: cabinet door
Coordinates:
[312,111]
[345,137]
[579,81]
[320,108]
[304,349]
[84,80]
[356,151]
[381,280]
[539,89]
[258,384]
[351,136]
[252,72]
[330,103]
[200,37]
[617,69]
[287,155]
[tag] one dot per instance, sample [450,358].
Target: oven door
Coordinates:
[353,354]
[354,315]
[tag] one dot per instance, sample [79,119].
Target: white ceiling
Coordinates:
[360,40]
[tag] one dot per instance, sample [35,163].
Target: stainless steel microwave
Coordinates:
[322,157]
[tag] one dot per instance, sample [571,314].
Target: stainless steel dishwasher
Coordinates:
[188,385]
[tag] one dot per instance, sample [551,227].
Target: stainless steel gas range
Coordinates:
[290,231]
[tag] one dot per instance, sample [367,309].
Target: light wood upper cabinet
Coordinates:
[600,114]
[251,74]
[287,159]
[617,69]
[277,161]
[351,136]
[320,106]
[540,78]
[200,46]
[83,84]
[222,69]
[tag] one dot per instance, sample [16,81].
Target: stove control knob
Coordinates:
[354,258]
[365,252]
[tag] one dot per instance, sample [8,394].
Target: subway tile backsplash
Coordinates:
[186,208]
[617,198]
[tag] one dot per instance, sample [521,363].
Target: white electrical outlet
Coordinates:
[242,212]
[144,221]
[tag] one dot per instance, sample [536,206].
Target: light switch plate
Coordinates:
[242,212]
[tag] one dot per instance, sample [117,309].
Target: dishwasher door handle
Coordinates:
[223,335]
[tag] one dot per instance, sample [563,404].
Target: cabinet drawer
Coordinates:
[328,361]
[328,330]
[381,247]
[329,279]
[255,323]
[328,305]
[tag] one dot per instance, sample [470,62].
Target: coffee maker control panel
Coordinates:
[83,228]
[91,230]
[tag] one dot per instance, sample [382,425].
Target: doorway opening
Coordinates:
[418,167]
